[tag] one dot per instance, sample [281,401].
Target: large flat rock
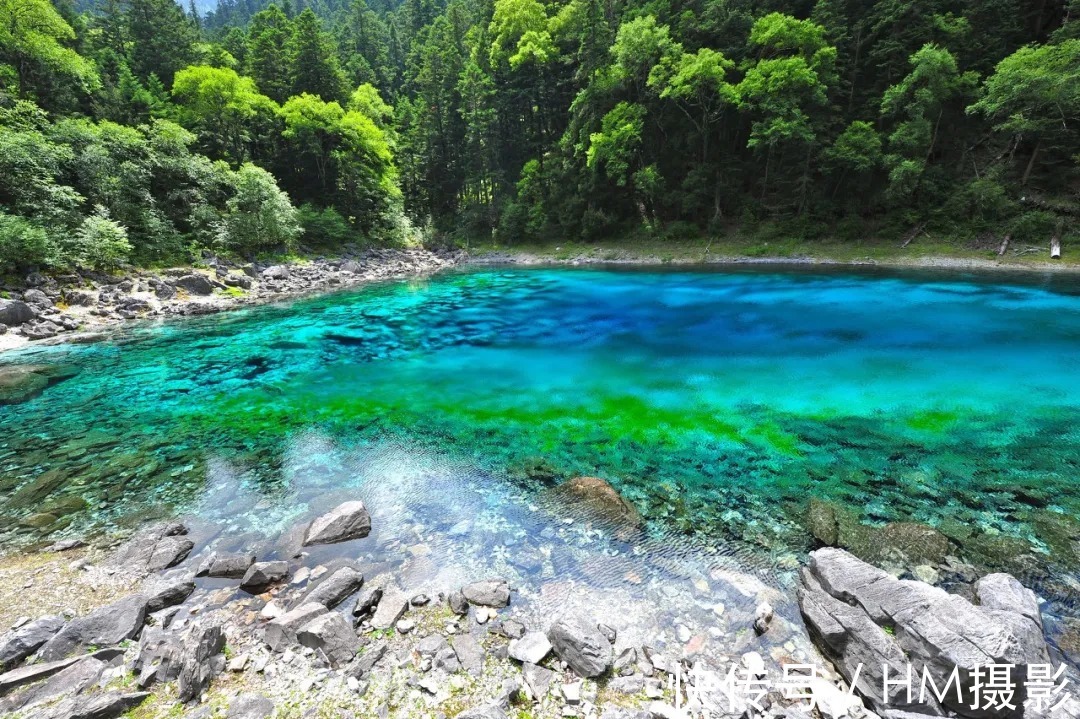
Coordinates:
[861,616]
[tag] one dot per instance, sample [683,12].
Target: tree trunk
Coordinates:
[915,232]
[1030,165]
[1055,242]
[1004,244]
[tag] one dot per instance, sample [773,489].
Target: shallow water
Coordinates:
[718,402]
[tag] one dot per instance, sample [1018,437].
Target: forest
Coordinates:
[145,132]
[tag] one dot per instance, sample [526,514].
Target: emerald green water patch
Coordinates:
[719,403]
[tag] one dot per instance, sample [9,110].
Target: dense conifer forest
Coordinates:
[144,131]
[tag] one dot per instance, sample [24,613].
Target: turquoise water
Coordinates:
[718,402]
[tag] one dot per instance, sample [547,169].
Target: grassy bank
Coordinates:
[924,251]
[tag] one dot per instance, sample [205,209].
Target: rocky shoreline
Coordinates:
[77,305]
[599,256]
[210,633]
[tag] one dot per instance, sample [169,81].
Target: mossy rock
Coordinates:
[41,520]
[822,522]
[1060,533]
[21,383]
[37,489]
[65,506]
[1000,552]
[834,525]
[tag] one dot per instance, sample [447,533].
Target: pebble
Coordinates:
[404,626]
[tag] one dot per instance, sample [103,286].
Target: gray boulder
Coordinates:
[201,662]
[195,284]
[276,272]
[459,605]
[392,607]
[250,706]
[168,594]
[531,648]
[31,673]
[159,658]
[73,680]
[848,604]
[488,593]
[369,657]
[225,564]
[152,549]
[281,632]
[334,588]
[14,312]
[18,644]
[103,627]
[37,298]
[349,520]
[260,575]
[469,653]
[101,706]
[581,645]
[331,634]
[367,601]
[485,712]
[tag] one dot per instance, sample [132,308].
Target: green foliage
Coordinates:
[857,148]
[34,40]
[618,143]
[546,120]
[226,110]
[162,38]
[100,242]
[323,227]
[259,216]
[24,244]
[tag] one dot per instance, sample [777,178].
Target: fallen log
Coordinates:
[1003,248]
[915,232]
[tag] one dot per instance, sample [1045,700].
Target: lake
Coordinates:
[718,401]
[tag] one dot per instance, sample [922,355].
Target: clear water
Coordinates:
[718,402]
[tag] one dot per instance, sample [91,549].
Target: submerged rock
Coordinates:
[597,499]
[349,520]
[20,383]
[860,615]
[836,526]
[488,593]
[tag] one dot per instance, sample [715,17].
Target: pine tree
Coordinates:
[267,55]
[162,38]
[313,63]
